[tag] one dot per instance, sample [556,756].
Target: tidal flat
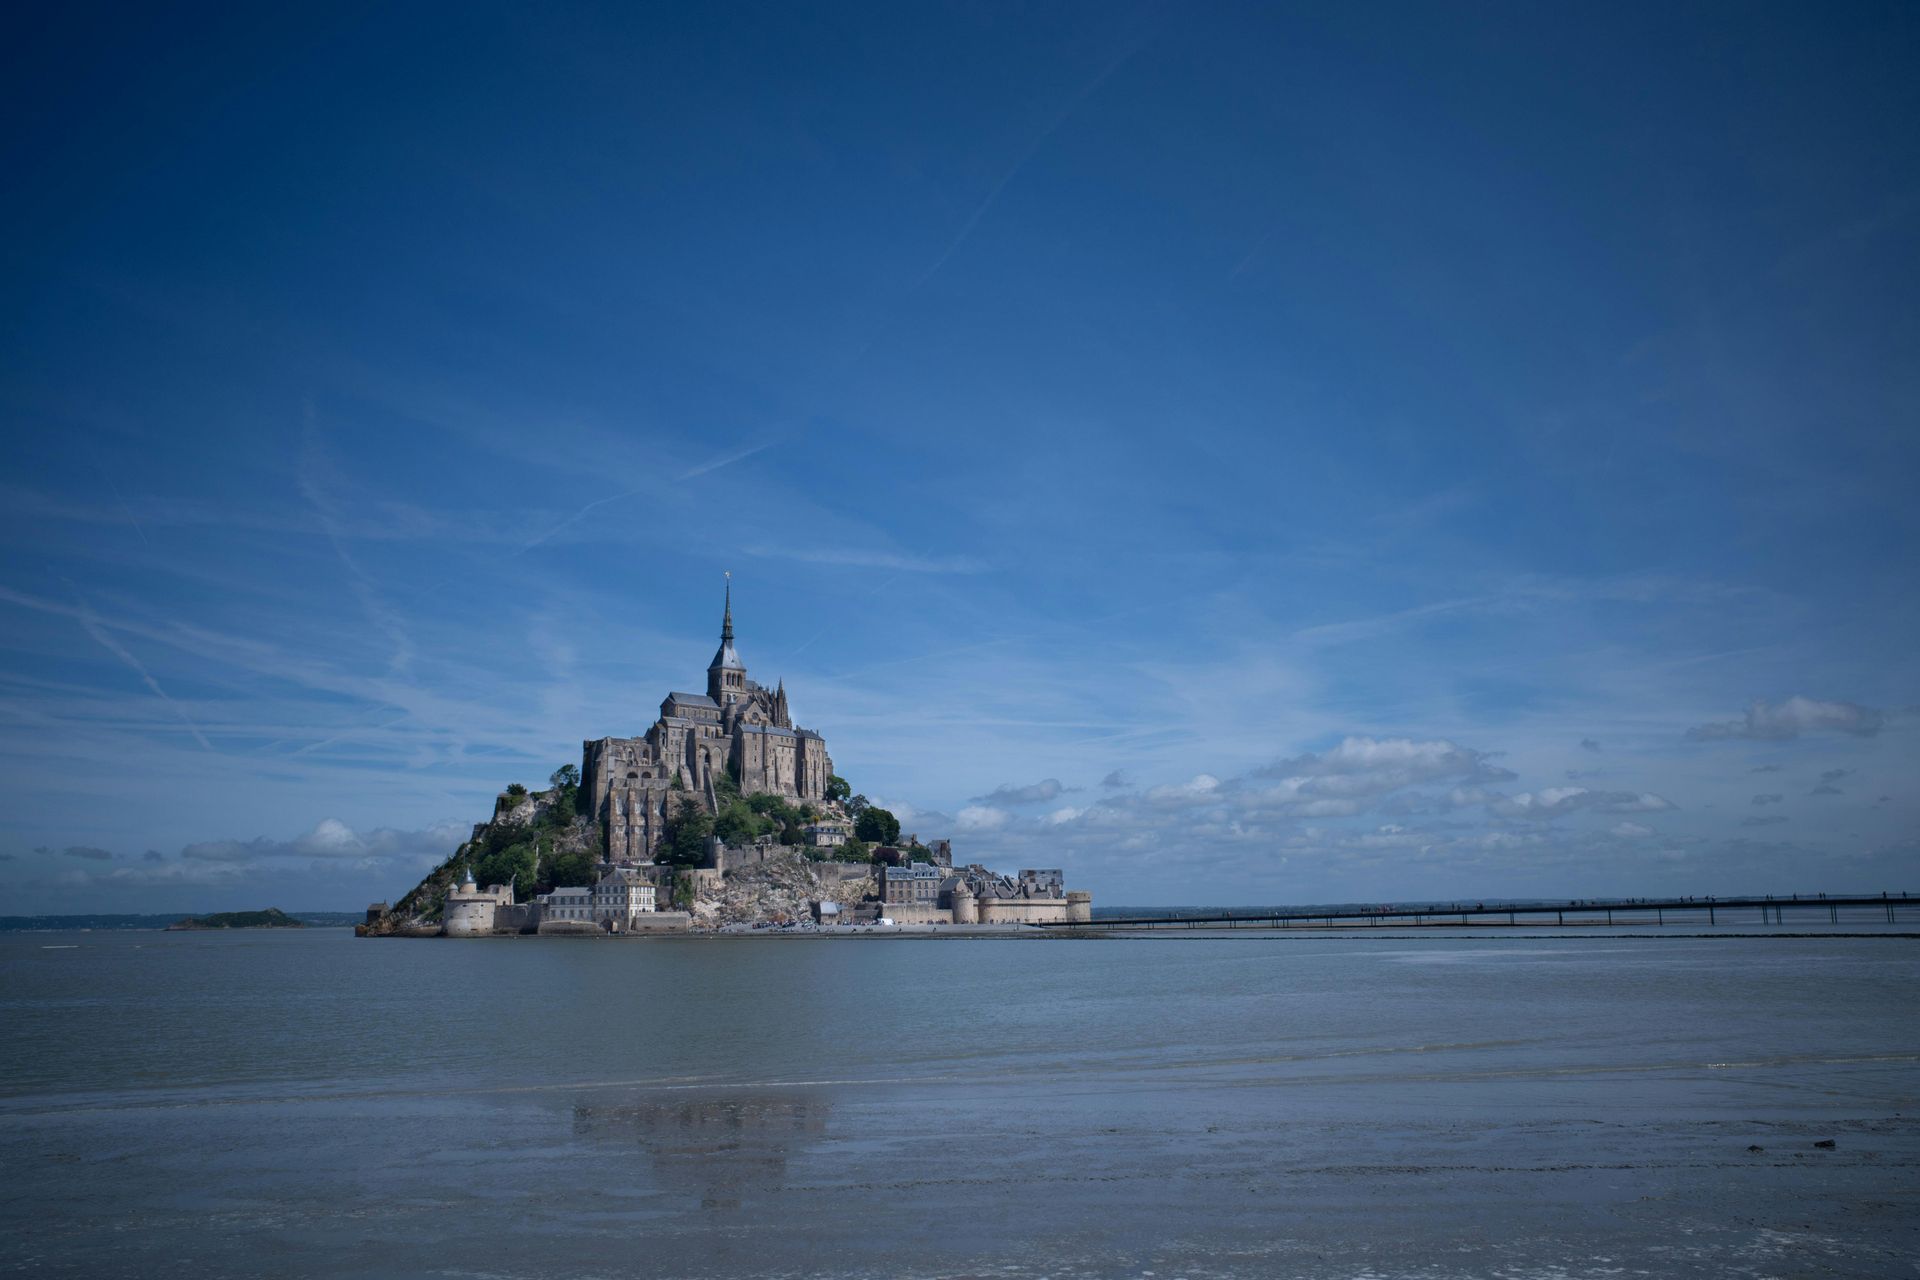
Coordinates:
[296,1103]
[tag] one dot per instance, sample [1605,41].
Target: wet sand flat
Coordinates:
[1331,1107]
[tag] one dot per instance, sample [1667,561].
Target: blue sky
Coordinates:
[1236,453]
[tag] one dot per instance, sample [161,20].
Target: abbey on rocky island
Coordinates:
[736,727]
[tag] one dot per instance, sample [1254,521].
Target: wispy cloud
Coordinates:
[863,558]
[1781,721]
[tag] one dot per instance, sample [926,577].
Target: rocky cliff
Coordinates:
[779,891]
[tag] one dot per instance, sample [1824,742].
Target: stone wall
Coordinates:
[661,922]
[1022,910]
[916,913]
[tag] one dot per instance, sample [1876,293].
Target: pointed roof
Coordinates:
[724,658]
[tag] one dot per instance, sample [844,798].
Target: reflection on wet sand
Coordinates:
[725,1149]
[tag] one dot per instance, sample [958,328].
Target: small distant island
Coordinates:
[271,918]
[724,815]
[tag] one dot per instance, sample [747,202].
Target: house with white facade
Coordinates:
[620,900]
[623,895]
[572,904]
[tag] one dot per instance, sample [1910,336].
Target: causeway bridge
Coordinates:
[1831,909]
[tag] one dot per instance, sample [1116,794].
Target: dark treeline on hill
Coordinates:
[105,920]
[271,918]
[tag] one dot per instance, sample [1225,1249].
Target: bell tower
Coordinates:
[726,677]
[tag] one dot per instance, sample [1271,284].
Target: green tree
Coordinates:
[565,777]
[855,850]
[771,806]
[858,805]
[516,792]
[573,868]
[791,834]
[837,788]
[683,840]
[512,865]
[737,824]
[917,852]
[877,826]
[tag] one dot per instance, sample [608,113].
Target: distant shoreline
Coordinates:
[113,922]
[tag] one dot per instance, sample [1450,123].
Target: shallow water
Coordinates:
[305,1103]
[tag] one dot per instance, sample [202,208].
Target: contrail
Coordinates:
[725,460]
[119,651]
[598,502]
[377,612]
[711,464]
[117,497]
[1073,104]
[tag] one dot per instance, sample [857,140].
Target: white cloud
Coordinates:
[1630,831]
[1060,816]
[1554,802]
[1361,768]
[980,817]
[1773,722]
[1196,790]
[1033,793]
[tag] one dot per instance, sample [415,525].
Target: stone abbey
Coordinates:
[737,728]
[806,874]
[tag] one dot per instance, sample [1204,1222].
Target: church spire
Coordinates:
[726,677]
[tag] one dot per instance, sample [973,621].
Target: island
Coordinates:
[723,816]
[271,918]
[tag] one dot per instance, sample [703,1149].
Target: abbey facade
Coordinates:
[736,727]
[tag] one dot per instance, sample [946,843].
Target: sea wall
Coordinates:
[1022,910]
[916,913]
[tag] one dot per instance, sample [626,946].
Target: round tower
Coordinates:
[966,908]
[1079,907]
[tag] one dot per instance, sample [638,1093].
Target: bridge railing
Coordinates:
[1585,912]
